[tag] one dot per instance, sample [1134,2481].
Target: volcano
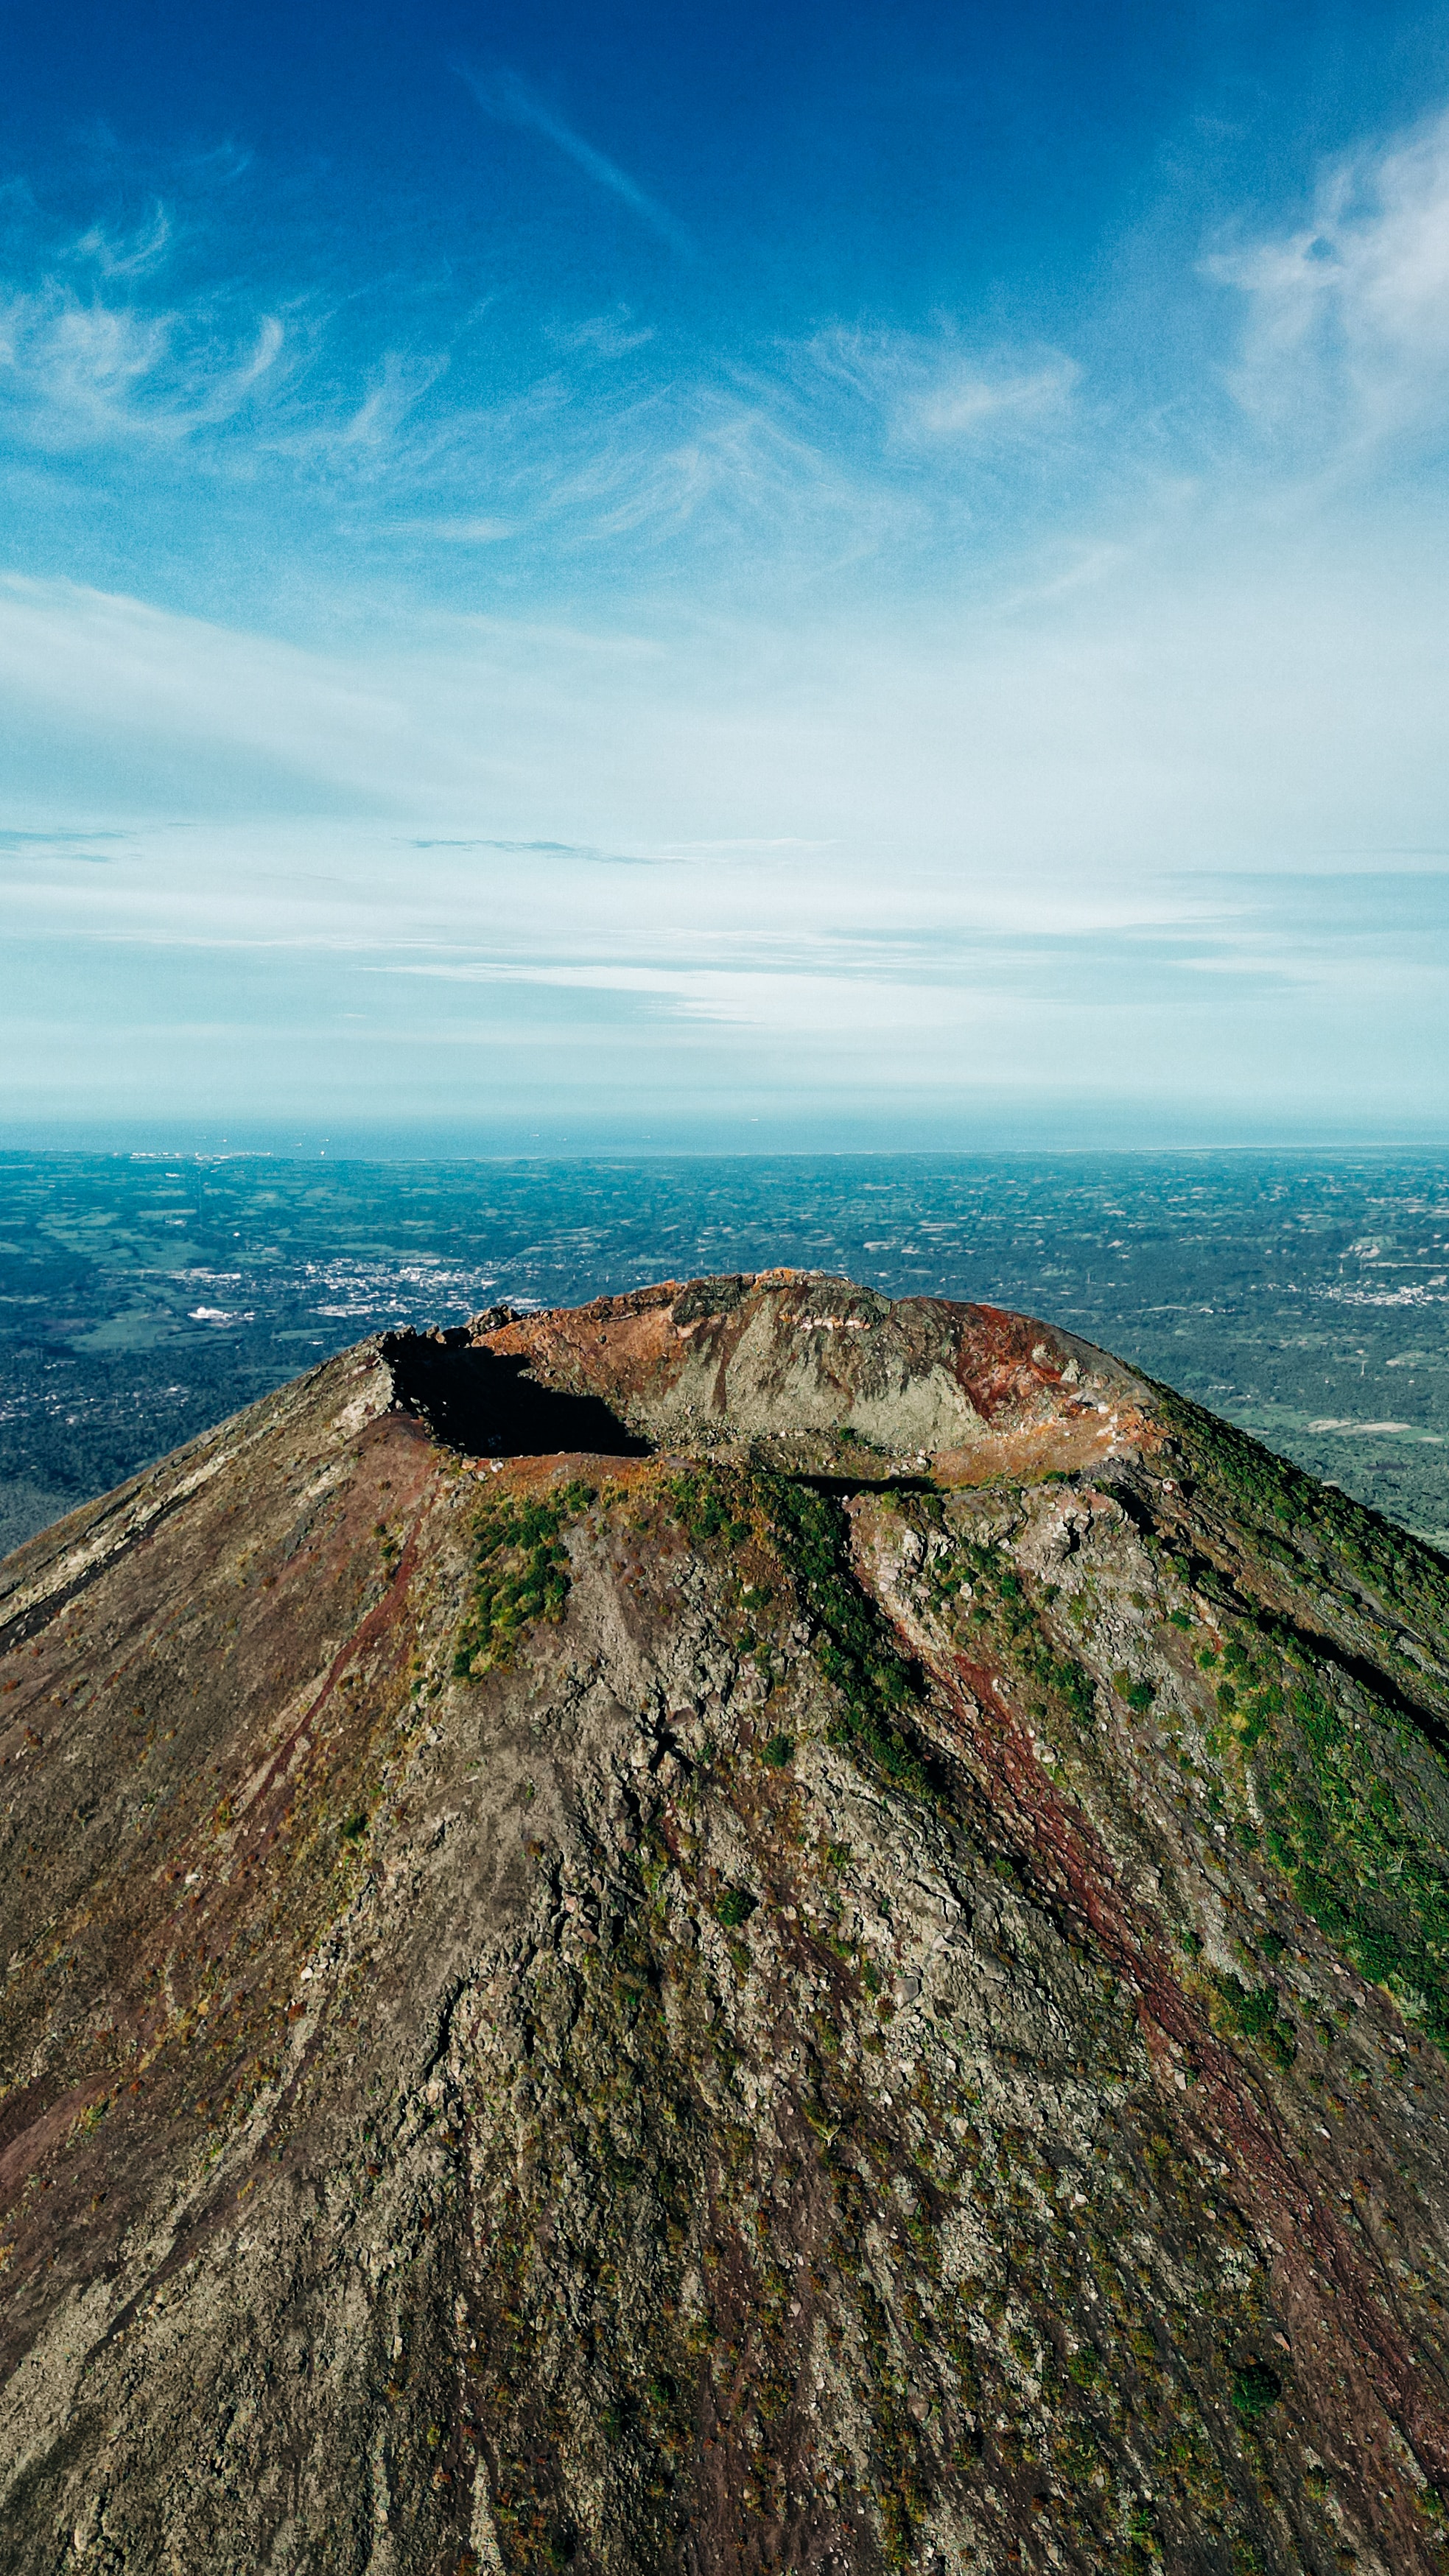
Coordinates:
[738,1929]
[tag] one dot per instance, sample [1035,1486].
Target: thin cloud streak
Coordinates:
[1101,725]
[508,100]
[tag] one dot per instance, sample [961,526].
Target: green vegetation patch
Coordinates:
[1352,1787]
[1357,1814]
[710,1505]
[1138,1695]
[734,1907]
[1355,1807]
[1253,2012]
[521,1574]
[1299,1521]
[853,1648]
[1255,2388]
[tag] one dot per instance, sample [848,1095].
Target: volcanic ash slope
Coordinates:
[742,1929]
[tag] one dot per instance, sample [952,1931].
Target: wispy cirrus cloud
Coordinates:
[856,478]
[79,372]
[398,384]
[1347,335]
[510,100]
[600,335]
[929,389]
[127,254]
[594,438]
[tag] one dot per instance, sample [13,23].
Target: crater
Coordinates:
[485,1404]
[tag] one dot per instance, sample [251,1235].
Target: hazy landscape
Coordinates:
[1305,1297]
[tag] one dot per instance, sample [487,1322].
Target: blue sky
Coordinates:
[847,575]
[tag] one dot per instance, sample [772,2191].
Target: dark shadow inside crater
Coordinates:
[487,1406]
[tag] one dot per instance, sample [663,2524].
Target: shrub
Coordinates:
[707,1507]
[1255,2388]
[735,1906]
[1253,2011]
[1137,1695]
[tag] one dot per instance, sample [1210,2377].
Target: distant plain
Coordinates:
[145,1296]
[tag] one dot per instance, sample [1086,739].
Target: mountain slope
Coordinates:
[736,1929]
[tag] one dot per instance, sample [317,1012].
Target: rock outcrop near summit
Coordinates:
[793,1356]
[737,1929]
